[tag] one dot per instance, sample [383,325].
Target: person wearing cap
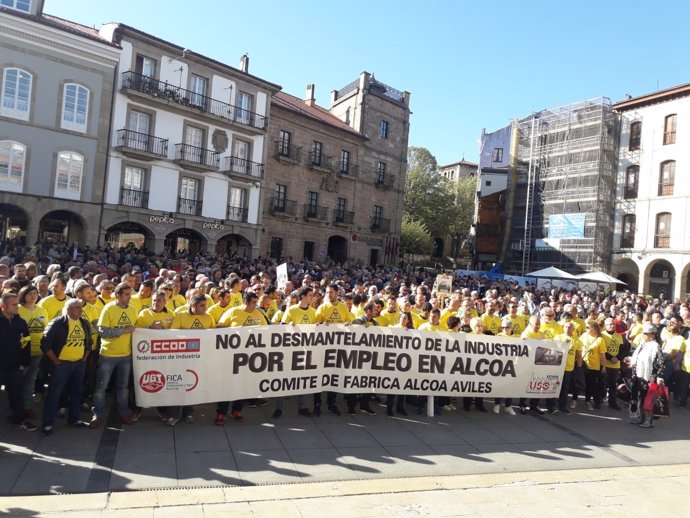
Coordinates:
[647,364]
[66,343]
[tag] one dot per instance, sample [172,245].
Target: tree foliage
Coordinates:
[445,208]
[415,238]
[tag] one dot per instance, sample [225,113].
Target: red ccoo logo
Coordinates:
[152,381]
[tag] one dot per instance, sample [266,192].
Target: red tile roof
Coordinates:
[295,104]
[73,27]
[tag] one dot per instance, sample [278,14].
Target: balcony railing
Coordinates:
[315,212]
[197,156]
[347,168]
[128,140]
[380,224]
[238,213]
[627,241]
[662,241]
[343,217]
[240,166]
[630,193]
[384,180]
[134,198]
[320,160]
[176,95]
[285,150]
[665,189]
[189,207]
[283,206]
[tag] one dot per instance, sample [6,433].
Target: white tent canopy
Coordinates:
[552,273]
[599,277]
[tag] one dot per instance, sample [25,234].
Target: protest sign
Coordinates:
[281,276]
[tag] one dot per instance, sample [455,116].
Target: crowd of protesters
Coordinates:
[68,315]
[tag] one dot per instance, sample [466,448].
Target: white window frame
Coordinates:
[72,188]
[9,185]
[8,107]
[73,118]
[14,4]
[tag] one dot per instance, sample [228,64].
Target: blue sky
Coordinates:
[468,64]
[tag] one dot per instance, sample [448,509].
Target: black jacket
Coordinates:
[14,345]
[55,335]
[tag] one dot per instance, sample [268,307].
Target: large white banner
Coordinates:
[174,367]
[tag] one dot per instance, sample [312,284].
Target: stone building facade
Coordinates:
[57,84]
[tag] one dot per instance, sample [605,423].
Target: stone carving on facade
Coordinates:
[330,182]
[219,140]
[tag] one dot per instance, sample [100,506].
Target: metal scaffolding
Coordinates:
[566,165]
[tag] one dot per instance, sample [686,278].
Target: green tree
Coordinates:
[414,237]
[464,193]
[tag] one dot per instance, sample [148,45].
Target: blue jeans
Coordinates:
[71,375]
[106,366]
[30,380]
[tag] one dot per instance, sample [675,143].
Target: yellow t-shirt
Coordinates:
[175,302]
[391,317]
[334,313]
[613,347]
[92,314]
[146,318]
[53,306]
[580,326]
[592,348]
[277,318]
[296,315]
[141,304]
[37,320]
[101,301]
[574,345]
[188,321]
[238,317]
[446,314]
[235,299]
[551,329]
[216,311]
[518,324]
[381,321]
[73,350]
[674,344]
[473,312]
[417,319]
[116,317]
[428,326]
[530,334]
[272,310]
[492,323]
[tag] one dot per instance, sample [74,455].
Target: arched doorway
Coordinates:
[438,247]
[128,234]
[13,224]
[234,244]
[61,226]
[185,240]
[626,270]
[685,295]
[661,279]
[337,249]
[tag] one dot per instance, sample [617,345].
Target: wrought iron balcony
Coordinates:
[171,94]
[630,193]
[134,198]
[189,207]
[238,213]
[285,151]
[380,224]
[196,158]
[661,241]
[315,212]
[320,161]
[348,169]
[385,181]
[141,145]
[343,217]
[281,206]
[244,168]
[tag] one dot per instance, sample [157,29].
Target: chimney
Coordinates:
[244,63]
[309,99]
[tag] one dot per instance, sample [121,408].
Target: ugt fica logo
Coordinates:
[152,381]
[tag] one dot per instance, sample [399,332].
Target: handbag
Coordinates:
[661,407]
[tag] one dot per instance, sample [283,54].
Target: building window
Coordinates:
[284,143]
[276,251]
[145,66]
[280,197]
[308,250]
[198,88]
[244,108]
[487,183]
[378,216]
[344,161]
[667,173]
[340,208]
[635,136]
[12,159]
[70,167]
[497,155]
[189,196]
[380,172]
[18,5]
[237,204]
[628,231]
[75,107]
[670,129]
[384,129]
[240,156]
[632,174]
[662,234]
[312,204]
[133,187]
[316,153]
[16,93]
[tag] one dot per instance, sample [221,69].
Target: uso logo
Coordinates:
[152,381]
